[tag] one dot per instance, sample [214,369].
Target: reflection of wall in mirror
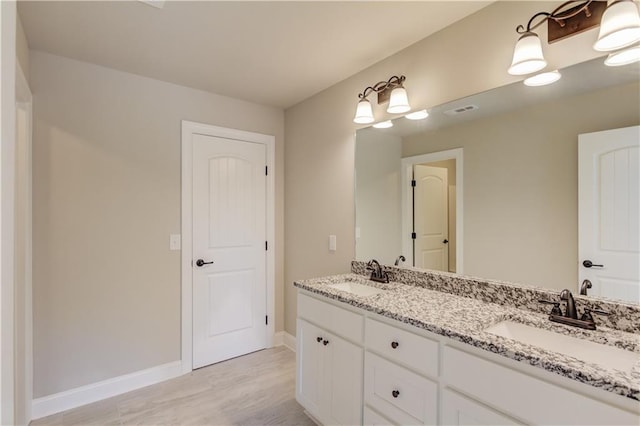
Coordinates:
[521,179]
[378,198]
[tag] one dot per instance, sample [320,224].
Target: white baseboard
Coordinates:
[282,338]
[82,395]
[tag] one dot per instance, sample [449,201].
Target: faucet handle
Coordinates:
[556,307]
[586,316]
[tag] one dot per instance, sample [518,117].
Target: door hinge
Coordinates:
[413,183]
[413,235]
[266,170]
[266,245]
[266,320]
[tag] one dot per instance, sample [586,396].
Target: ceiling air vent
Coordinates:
[461,110]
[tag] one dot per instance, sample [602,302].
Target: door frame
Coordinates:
[190,128]
[406,172]
[24,167]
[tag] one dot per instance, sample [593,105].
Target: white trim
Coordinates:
[24,103]
[190,128]
[83,395]
[282,338]
[8,19]
[289,341]
[407,208]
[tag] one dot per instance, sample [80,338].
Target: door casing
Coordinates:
[406,170]
[190,128]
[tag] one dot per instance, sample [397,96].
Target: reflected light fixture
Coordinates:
[623,57]
[391,90]
[543,79]
[619,27]
[383,124]
[417,115]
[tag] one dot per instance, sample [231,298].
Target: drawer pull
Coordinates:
[394,345]
[395,393]
[325,342]
[318,339]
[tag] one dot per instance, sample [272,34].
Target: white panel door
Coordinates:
[609,212]
[430,216]
[229,230]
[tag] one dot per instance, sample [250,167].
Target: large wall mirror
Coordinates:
[489,185]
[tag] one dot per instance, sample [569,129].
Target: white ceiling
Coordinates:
[269,52]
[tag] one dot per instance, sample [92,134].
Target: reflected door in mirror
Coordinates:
[430,216]
[609,212]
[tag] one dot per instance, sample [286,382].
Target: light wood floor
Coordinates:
[255,389]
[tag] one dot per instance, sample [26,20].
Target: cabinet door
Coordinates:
[309,352]
[343,372]
[458,410]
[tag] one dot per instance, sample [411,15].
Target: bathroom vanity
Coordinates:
[432,348]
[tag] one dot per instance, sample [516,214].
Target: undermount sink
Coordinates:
[357,289]
[585,350]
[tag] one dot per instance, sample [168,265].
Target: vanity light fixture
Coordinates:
[391,90]
[623,57]
[417,115]
[543,79]
[619,27]
[383,124]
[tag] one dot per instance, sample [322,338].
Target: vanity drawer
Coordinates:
[399,394]
[332,318]
[417,352]
[512,392]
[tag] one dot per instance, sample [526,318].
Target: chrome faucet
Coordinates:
[377,274]
[399,259]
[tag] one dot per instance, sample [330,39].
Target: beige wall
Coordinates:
[521,183]
[468,57]
[378,190]
[106,161]
[22,48]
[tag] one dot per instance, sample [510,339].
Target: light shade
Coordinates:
[383,124]
[527,55]
[364,113]
[623,57]
[417,115]
[398,102]
[543,79]
[620,26]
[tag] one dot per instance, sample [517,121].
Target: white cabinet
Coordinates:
[354,369]
[525,397]
[458,410]
[329,367]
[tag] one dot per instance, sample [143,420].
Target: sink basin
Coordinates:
[585,350]
[357,289]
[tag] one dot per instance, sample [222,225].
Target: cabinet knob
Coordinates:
[395,393]
[318,339]
[325,342]
[394,345]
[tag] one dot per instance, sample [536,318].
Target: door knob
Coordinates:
[200,263]
[590,264]
[445,241]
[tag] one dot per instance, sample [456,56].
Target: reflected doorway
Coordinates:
[432,210]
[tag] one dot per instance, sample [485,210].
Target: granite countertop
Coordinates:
[465,319]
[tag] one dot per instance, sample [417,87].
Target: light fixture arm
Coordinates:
[559,15]
[381,86]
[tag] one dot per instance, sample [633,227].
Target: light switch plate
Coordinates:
[332,243]
[174,242]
